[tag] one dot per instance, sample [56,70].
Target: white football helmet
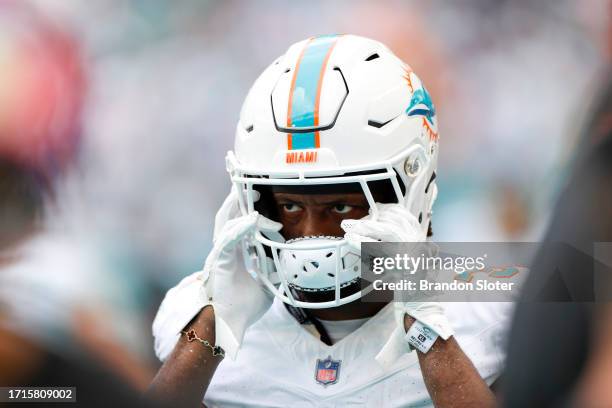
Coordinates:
[334,110]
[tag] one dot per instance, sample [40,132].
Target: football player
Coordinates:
[337,144]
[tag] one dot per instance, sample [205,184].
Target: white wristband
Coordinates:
[421,337]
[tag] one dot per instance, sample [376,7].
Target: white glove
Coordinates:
[430,314]
[237,299]
[229,210]
[395,223]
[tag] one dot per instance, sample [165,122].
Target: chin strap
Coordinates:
[305,317]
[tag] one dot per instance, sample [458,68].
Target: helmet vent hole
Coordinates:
[355,268]
[295,276]
[431,179]
[373,57]
[420,217]
[329,254]
[331,275]
[249,128]
[304,268]
[377,124]
[293,255]
[315,264]
[287,70]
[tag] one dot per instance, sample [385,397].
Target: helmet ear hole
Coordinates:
[420,217]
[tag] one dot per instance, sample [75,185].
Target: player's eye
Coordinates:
[290,207]
[342,208]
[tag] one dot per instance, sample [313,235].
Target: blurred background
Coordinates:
[159,94]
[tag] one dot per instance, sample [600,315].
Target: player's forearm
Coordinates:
[186,374]
[451,378]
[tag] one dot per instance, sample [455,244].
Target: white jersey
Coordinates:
[282,364]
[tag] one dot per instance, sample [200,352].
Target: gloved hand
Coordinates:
[430,314]
[395,223]
[237,299]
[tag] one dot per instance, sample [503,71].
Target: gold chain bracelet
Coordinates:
[192,335]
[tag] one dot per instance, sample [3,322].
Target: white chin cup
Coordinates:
[315,270]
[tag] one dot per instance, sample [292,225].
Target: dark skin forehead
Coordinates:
[323,199]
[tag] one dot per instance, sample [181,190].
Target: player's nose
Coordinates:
[310,226]
[315,224]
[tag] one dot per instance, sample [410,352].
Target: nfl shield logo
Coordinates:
[327,371]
